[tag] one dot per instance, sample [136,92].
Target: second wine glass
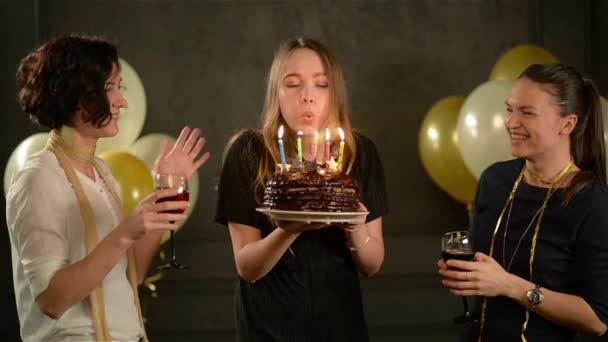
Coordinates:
[456,245]
[172,181]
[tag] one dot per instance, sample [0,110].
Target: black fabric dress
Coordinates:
[313,295]
[571,252]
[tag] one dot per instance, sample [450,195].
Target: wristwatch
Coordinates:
[535,297]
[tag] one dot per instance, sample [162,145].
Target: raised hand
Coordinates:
[182,159]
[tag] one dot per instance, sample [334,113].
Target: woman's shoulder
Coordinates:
[507,169]
[363,142]
[40,173]
[244,140]
[244,146]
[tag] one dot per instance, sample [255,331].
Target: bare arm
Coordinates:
[369,244]
[255,257]
[71,284]
[485,277]
[562,308]
[145,252]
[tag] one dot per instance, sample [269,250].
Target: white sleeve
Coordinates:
[36,218]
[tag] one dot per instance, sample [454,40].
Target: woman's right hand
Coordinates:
[150,215]
[296,227]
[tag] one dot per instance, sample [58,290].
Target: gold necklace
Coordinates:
[539,180]
[66,139]
[541,213]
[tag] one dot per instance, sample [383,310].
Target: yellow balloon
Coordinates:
[132,175]
[132,118]
[439,151]
[24,150]
[482,136]
[147,149]
[513,62]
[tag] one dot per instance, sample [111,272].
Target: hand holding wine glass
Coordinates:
[152,215]
[179,185]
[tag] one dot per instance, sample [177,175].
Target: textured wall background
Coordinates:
[203,63]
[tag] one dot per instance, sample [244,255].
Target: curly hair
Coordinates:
[63,74]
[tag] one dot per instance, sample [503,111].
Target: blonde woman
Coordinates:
[299,282]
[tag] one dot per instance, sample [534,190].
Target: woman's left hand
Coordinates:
[481,277]
[181,158]
[358,222]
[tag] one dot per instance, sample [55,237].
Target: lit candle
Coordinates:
[341,153]
[282,149]
[327,145]
[300,133]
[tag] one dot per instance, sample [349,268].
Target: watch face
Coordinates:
[535,296]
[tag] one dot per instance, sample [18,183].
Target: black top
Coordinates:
[313,295]
[571,251]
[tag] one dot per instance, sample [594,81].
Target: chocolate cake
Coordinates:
[311,188]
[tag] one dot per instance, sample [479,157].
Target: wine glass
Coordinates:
[456,245]
[172,181]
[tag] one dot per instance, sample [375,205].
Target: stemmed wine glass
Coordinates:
[456,245]
[172,181]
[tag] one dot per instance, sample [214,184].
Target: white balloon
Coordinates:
[482,136]
[24,150]
[147,148]
[132,118]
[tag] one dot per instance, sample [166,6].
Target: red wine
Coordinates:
[466,255]
[184,196]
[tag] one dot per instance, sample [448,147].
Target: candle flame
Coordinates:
[327,133]
[300,133]
[341,133]
[281,132]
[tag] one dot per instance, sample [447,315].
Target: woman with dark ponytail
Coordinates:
[540,221]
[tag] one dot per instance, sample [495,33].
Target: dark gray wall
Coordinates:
[203,64]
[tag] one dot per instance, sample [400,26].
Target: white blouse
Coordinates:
[46,234]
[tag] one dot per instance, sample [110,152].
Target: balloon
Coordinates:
[131,119]
[604,104]
[513,62]
[147,149]
[439,151]
[132,174]
[24,150]
[482,136]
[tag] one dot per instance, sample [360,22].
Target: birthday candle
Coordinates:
[341,153]
[300,133]
[282,149]
[313,149]
[327,145]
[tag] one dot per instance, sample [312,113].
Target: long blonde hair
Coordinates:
[271,119]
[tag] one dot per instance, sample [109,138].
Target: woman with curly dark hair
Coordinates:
[76,260]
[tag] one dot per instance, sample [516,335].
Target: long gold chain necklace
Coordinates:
[504,236]
[550,192]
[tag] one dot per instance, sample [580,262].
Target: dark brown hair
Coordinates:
[577,95]
[63,74]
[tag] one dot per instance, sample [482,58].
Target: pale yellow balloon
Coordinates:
[147,149]
[132,174]
[439,151]
[482,136]
[513,62]
[24,150]
[132,118]
[604,104]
